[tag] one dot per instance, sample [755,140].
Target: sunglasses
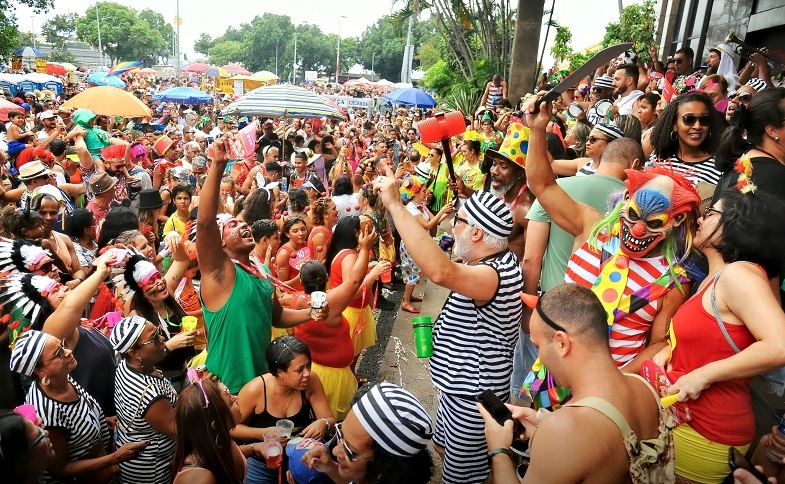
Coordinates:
[594,139]
[350,454]
[546,319]
[678,61]
[156,336]
[709,210]
[41,436]
[457,219]
[689,120]
[743,96]
[60,353]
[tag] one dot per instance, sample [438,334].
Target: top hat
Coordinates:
[150,199]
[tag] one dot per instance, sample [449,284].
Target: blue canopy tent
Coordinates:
[184,95]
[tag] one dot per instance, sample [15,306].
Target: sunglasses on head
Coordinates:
[689,119]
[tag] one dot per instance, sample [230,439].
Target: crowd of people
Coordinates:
[165,307]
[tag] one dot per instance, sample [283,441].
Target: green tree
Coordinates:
[266,37]
[637,24]
[428,54]
[379,45]
[577,59]
[124,35]
[57,31]
[203,43]
[561,49]
[157,22]
[9,32]
[226,52]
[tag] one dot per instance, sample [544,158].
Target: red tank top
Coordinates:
[319,230]
[336,278]
[292,271]
[723,412]
[331,347]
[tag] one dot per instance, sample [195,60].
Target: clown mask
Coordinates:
[650,214]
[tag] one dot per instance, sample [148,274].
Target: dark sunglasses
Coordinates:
[41,436]
[350,454]
[60,353]
[689,120]
[154,339]
[546,319]
[594,139]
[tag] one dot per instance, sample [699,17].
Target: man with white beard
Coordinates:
[508,182]
[475,334]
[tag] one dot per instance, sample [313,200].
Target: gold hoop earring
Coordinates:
[674,136]
[45,381]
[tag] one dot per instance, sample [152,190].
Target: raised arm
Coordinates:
[575,218]
[217,268]
[340,297]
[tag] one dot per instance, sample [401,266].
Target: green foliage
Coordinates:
[125,35]
[577,59]
[637,24]
[203,43]
[58,29]
[262,37]
[62,56]
[428,54]
[380,44]
[561,49]
[439,77]
[156,22]
[9,33]
[225,52]
[463,98]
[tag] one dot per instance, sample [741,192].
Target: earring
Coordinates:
[140,360]
[45,381]
[674,136]
[777,139]
[216,442]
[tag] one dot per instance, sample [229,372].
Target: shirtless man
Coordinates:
[579,443]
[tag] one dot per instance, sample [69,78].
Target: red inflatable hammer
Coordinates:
[442,127]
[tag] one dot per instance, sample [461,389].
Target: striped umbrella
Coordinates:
[282,101]
[124,67]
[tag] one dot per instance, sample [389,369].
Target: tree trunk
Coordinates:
[523,69]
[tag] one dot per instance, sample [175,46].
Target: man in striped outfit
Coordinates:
[629,256]
[476,332]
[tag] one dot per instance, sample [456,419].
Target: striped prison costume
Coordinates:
[472,351]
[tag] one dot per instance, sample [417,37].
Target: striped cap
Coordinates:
[603,82]
[395,419]
[756,83]
[126,332]
[490,213]
[611,131]
[27,351]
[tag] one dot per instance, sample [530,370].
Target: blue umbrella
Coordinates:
[184,95]
[103,79]
[411,96]
[28,52]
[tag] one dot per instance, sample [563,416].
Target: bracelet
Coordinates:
[500,450]
[327,422]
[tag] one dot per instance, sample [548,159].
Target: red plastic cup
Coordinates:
[387,276]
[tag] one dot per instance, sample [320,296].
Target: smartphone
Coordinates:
[737,461]
[500,412]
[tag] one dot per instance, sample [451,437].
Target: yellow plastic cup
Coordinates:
[189,323]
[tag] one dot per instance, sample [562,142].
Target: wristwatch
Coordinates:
[500,450]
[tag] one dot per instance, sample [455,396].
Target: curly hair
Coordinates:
[661,137]
[319,209]
[298,199]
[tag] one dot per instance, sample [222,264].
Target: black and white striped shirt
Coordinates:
[82,421]
[134,393]
[702,171]
[473,345]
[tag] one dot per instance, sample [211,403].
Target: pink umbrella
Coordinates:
[6,106]
[146,71]
[235,69]
[197,67]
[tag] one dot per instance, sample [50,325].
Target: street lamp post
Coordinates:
[178,21]
[338,57]
[294,61]
[98,26]
[32,29]
[373,58]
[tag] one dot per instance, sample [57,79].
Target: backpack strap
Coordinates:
[607,409]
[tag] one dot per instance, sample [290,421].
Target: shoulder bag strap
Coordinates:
[607,409]
[717,313]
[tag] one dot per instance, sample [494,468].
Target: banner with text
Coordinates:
[352,102]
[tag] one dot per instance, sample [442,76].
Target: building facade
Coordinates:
[702,24]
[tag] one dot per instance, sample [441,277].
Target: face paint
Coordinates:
[648,217]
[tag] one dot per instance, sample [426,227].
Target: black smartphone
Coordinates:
[737,461]
[500,412]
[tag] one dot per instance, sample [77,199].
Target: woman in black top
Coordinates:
[291,391]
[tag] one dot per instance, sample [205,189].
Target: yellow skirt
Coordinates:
[339,386]
[362,327]
[700,459]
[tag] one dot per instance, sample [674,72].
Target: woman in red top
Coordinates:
[734,304]
[331,345]
[293,252]
[341,259]
[325,215]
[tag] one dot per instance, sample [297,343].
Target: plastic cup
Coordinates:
[188,323]
[27,411]
[423,336]
[387,276]
[285,427]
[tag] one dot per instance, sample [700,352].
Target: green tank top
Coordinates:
[239,332]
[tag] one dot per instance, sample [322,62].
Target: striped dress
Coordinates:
[134,393]
[628,336]
[82,421]
[472,351]
[702,171]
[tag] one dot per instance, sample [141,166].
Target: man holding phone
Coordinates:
[614,428]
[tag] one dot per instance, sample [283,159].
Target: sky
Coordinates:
[586,23]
